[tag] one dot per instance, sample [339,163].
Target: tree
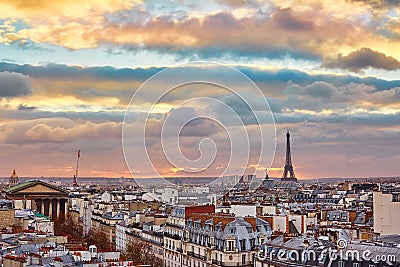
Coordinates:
[99,239]
[142,252]
[67,227]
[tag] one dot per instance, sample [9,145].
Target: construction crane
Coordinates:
[75,183]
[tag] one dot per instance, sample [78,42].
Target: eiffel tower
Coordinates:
[288,170]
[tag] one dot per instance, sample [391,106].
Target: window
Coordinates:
[230,245]
[243,259]
[341,264]
[243,244]
[356,265]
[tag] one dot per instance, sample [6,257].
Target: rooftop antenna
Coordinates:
[75,183]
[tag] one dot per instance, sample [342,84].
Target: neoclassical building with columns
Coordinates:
[43,197]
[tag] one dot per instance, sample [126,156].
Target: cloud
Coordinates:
[76,18]
[102,93]
[285,32]
[104,86]
[48,147]
[82,76]
[379,4]
[273,81]
[247,30]
[226,29]
[14,84]
[325,101]
[362,59]
[330,116]
[47,133]
[51,10]
[344,124]
[317,89]
[60,71]
[25,107]
[274,33]
[34,113]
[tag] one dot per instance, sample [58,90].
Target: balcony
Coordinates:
[195,255]
[173,236]
[228,264]
[174,225]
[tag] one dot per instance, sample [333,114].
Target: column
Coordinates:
[46,204]
[58,207]
[35,205]
[65,208]
[51,208]
[36,201]
[41,206]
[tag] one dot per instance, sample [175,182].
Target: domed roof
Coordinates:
[14,174]
[14,178]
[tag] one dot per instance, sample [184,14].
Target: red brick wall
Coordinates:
[199,209]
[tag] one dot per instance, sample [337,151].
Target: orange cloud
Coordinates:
[302,29]
[45,10]
[46,133]
[68,23]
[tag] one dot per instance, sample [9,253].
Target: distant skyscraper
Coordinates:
[288,172]
[14,180]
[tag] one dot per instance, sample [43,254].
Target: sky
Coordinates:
[330,71]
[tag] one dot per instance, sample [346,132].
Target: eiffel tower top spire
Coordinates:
[288,172]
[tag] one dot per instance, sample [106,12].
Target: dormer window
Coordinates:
[243,244]
[231,244]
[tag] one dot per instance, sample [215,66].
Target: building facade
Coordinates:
[46,198]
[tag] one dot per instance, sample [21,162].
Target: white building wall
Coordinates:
[386,214]
[87,216]
[167,195]
[120,238]
[271,210]
[44,226]
[244,210]
[280,224]
[106,197]
[23,204]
